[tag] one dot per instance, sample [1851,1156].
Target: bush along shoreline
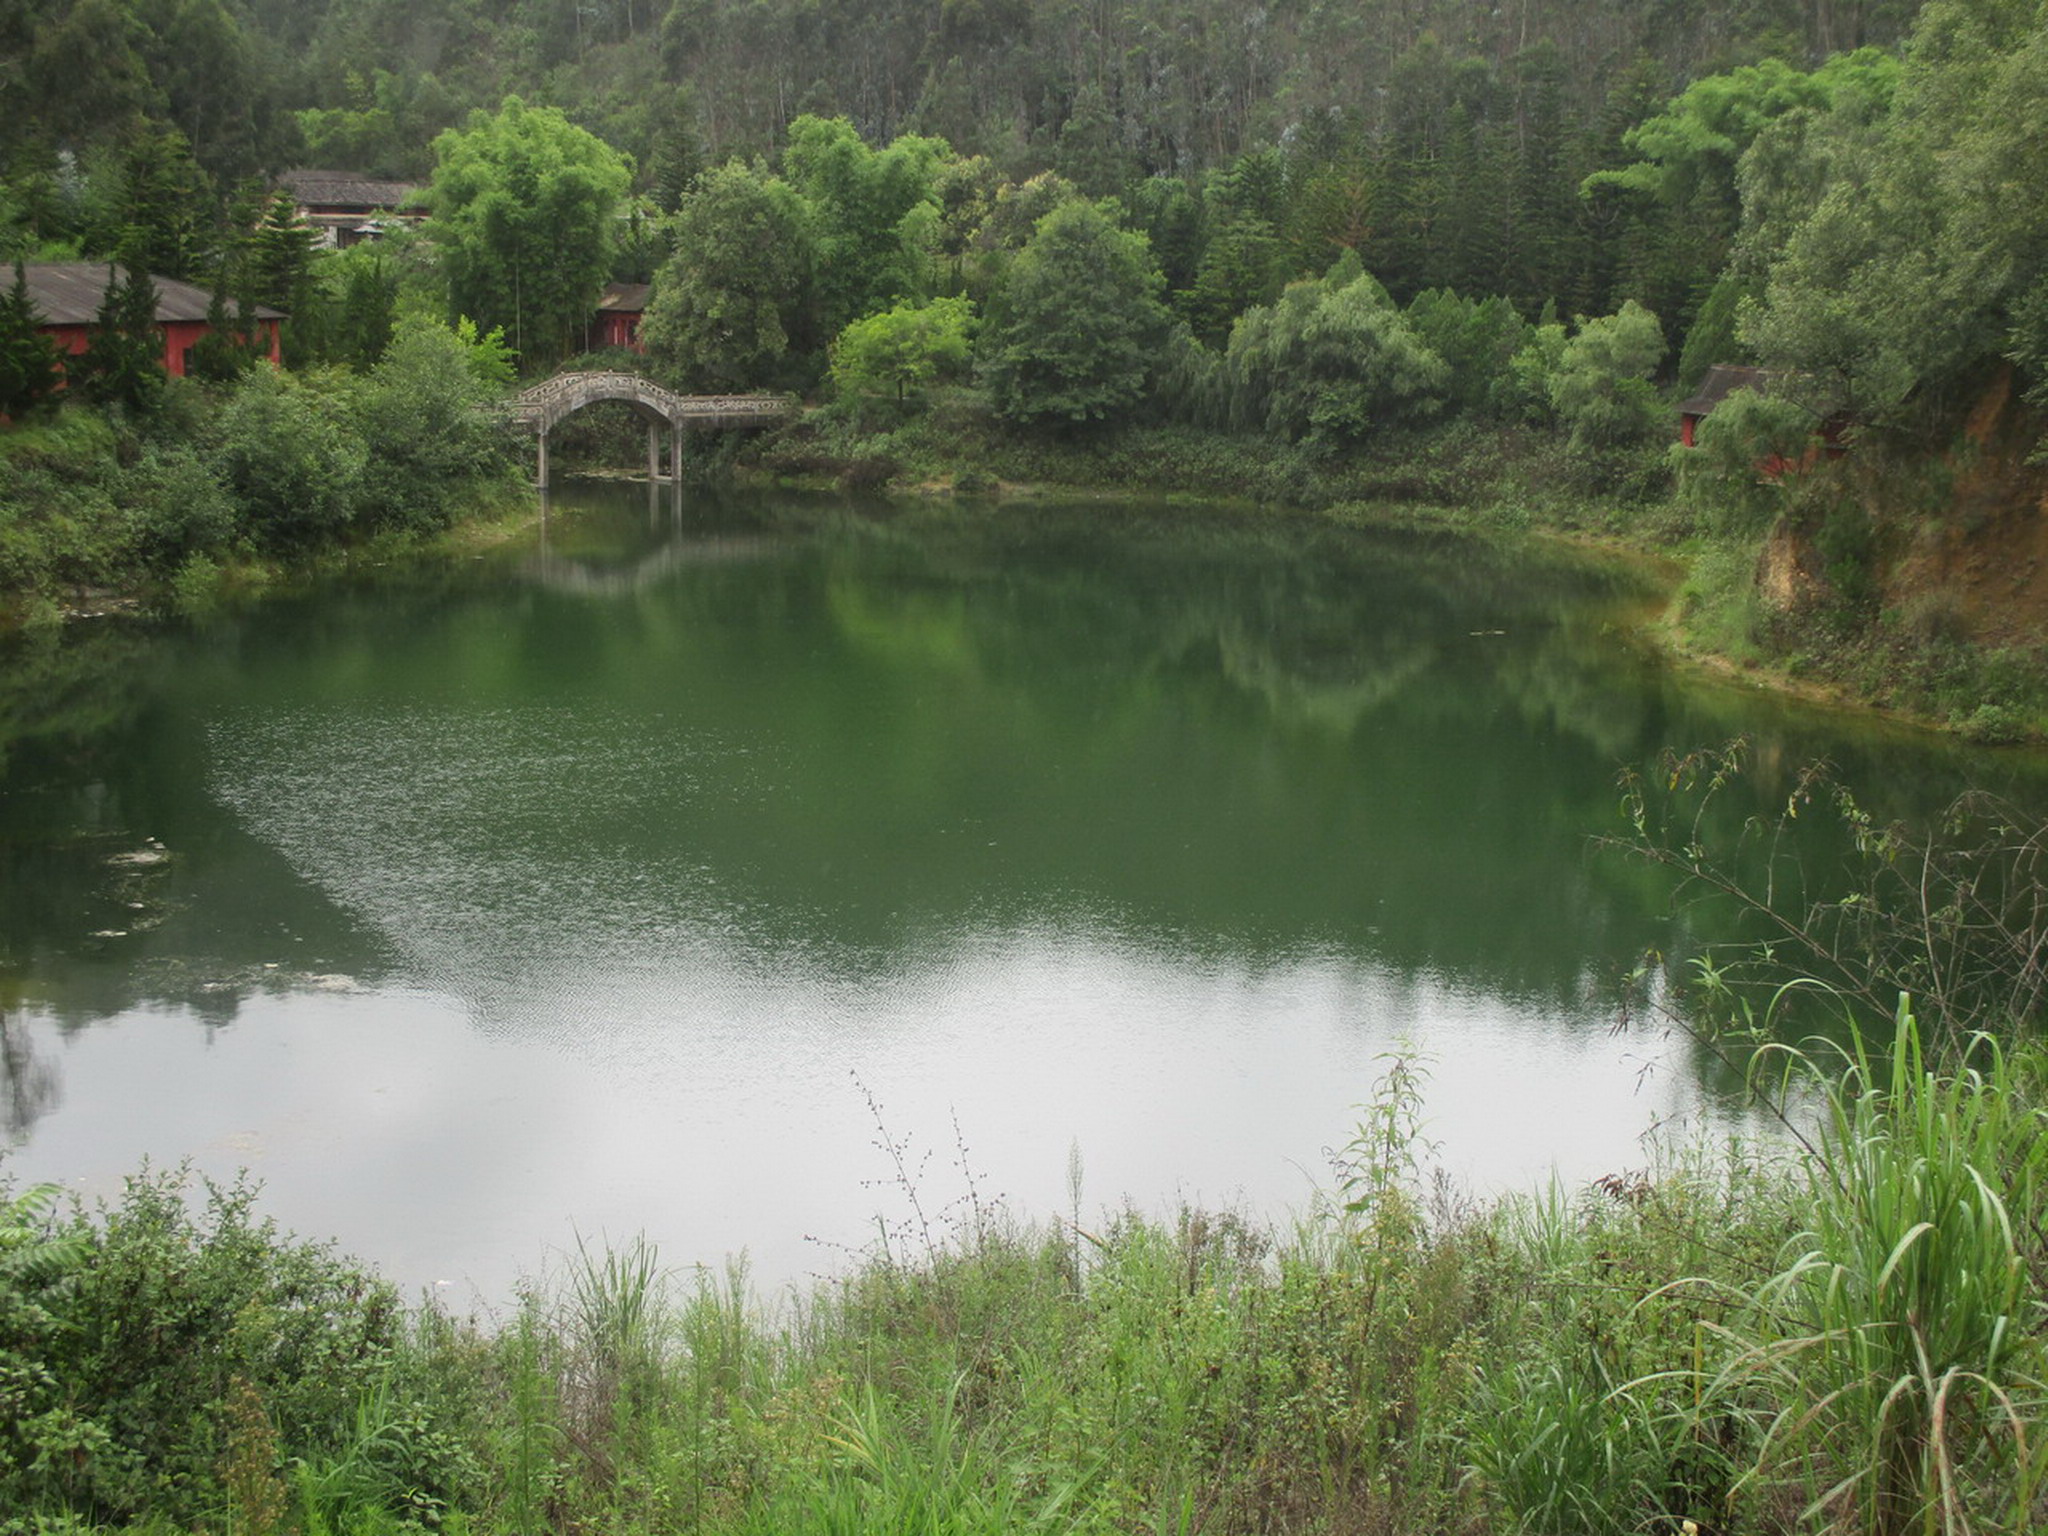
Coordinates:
[1836,1330]
[260,470]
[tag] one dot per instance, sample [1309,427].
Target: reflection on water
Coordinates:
[603,880]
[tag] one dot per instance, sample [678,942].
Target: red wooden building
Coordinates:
[617,322]
[67,295]
[1722,380]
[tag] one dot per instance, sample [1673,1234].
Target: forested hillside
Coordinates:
[1446,140]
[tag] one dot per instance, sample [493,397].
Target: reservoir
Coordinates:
[787,875]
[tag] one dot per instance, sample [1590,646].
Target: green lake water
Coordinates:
[665,871]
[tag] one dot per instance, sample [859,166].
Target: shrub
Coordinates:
[1601,389]
[426,430]
[288,452]
[177,508]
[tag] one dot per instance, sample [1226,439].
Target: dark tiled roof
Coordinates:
[346,189]
[70,293]
[1722,380]
[624,298]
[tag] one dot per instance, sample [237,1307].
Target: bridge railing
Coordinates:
[542,400]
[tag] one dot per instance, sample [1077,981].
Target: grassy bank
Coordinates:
[1838,1337]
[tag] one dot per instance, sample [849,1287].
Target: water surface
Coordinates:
[692,865]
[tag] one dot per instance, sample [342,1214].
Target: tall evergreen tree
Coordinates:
[123,360]
[30,370]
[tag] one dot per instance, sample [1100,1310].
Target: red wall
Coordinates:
[615,329]
[179,337]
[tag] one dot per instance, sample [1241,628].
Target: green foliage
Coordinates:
[1601,389]
[1242,263]
[1836,309]
[1712,338]
[870,215]
[360,316]
[166,1312]
[1333,362]
[1895,1340]
[1478,341]
[30,370]
[426,428]
[123,362]
[287,453]
[40,1432]
[904,349]
[177,508]
[1692,147]
[1081,321]
[722,310]
[1915,264]
[523,204]
[1744,463]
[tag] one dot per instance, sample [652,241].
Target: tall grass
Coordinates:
[1893,1363]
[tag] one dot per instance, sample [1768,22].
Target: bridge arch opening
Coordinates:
[546,405]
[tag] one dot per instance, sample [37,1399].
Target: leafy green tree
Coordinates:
[905,348]
[1533,368]
[1601,389]
[1689,151]
[1732,477]
[1478,340]
[676,154]
[148,204]
[229,346]
[282,254]
[522,207]
[123,362]
[30,366]
[358,301]
[1243,261]
[871,214]
[424,420]
[1713,336]
[292,458]
[176,507]
[722,309]
[1692,154]
[1091,153]
[1333,361]
[1081,320]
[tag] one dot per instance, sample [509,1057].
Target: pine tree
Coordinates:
[123,360]
[281,256]
[30,371]
[225,351]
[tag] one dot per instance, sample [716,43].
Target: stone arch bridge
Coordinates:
[548,404]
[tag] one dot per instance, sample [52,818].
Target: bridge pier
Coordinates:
[653,453]
[541,474]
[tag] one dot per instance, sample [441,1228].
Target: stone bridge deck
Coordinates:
[546,405]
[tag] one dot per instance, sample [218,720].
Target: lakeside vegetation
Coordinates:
[1833,1331]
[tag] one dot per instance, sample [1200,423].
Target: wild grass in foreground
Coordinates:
[1839,1337]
